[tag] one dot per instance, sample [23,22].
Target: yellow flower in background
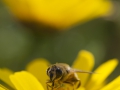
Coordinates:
[85,60]
[58,13]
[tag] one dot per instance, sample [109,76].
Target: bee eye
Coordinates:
[48,71]
[58,72]
[51,76]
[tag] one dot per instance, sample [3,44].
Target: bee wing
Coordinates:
[82,71]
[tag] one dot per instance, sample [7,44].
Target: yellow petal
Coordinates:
[114,85]
[84,61]
[81,88]
[38,68]
[2,87]
[103,71]
[25,81]
[4,76]
[118,88]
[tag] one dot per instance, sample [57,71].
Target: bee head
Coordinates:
[54,72]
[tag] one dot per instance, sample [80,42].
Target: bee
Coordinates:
[61,74]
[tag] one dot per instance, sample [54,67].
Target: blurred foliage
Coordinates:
[20,43]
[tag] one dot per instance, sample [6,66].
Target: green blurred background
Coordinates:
[19,44]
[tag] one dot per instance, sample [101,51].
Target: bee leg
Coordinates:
[52,85]
[61,85]
[48,85]
[77,83]
[70,83]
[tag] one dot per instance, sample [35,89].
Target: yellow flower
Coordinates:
[85,60]
[58,13]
